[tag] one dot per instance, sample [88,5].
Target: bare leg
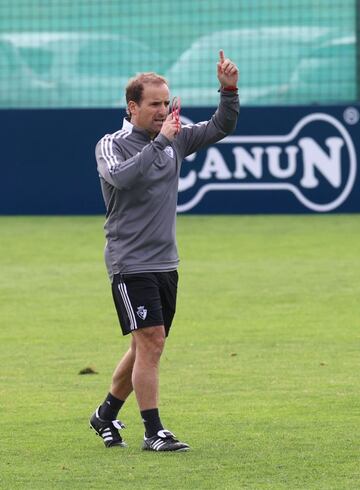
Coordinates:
[121,385]
[145,375]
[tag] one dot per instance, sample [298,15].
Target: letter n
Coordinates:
[249,161]
[329,165]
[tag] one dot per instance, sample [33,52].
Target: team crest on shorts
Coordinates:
[141,312]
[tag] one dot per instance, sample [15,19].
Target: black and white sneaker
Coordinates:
[164,441]
[107,429]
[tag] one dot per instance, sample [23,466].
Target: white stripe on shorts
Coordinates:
[127,302]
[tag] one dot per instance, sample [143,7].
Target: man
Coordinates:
[139,168]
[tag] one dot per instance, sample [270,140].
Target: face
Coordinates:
[153,108]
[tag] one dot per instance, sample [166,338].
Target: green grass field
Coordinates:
[260,374]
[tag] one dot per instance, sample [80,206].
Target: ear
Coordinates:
[132,108]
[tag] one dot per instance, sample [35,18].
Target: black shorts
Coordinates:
[145,299]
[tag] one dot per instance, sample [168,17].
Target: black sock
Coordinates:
[151,421]
[110,408]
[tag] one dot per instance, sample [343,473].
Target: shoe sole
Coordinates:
[180,450]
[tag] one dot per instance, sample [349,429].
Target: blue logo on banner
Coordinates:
[316,162]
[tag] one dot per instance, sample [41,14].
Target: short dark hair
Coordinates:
[135,87]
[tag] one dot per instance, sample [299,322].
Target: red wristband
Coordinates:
[230,88]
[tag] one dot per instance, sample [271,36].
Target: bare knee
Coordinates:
[149,343]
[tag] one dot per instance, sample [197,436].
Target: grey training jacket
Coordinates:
[139,181]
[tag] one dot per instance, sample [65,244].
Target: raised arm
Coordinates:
[193,137]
